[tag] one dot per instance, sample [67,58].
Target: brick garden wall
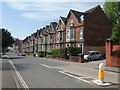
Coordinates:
[112,54]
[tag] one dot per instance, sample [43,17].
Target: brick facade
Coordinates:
[87,30]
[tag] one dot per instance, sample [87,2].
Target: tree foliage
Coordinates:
[116,34]
[74,51]
[7,39]
[112,10]
[55,52]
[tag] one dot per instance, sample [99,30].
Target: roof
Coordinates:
[63,19]
[76,13]
[92,9]
[54,24]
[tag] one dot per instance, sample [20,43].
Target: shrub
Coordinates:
[63,53]
[42,53]
[55,53]
[74,51]
[49,53]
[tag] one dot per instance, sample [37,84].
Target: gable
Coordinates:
[97,14]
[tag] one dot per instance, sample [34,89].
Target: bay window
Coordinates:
[72,34]
[67,35]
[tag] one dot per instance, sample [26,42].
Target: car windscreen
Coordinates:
[87,53]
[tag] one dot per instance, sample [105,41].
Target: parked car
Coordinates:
[22,54]
[92,55]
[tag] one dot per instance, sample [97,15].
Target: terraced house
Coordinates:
[87,30]
[52,34]
[60,33]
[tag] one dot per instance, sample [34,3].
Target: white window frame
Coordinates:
[82,17]
[81,32]
[72,31]
[67,35]
[71,22]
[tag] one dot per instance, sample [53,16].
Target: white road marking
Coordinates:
[74,76]
[65,77]
[47,66]
[18,75]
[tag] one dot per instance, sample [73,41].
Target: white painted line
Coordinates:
[73,73]
[18,75]
[83,80]
[16,81]
[74,76]
[67,74]
[47,66]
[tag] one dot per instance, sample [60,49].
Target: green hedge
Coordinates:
[74,51]
[55,53]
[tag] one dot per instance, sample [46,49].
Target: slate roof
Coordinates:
[78,14]
[54,24]
[92,9]
[63,19]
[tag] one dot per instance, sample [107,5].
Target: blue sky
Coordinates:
[22,18]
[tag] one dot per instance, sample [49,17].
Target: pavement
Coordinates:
[6,75]
[90,69]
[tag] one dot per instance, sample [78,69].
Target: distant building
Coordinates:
[17,45]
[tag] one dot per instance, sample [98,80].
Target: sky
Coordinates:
[24,17]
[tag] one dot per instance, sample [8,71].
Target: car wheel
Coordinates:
[100,58]
[89,59]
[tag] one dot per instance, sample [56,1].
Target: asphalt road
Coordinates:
[41,73]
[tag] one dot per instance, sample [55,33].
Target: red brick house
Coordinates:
[60,33]
[88,29]
[52,34]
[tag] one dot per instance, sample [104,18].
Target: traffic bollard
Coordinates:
[101,76]
[101,72]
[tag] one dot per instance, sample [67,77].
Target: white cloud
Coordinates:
[48,10]
[53,0]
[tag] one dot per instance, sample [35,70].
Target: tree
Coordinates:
[7,39]
[112,10]
[116,34]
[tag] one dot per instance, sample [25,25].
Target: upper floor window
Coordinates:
[60,36]
[60,26]
[81,33]
[50,36]
[82,17]
[71,22]
[67,34]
